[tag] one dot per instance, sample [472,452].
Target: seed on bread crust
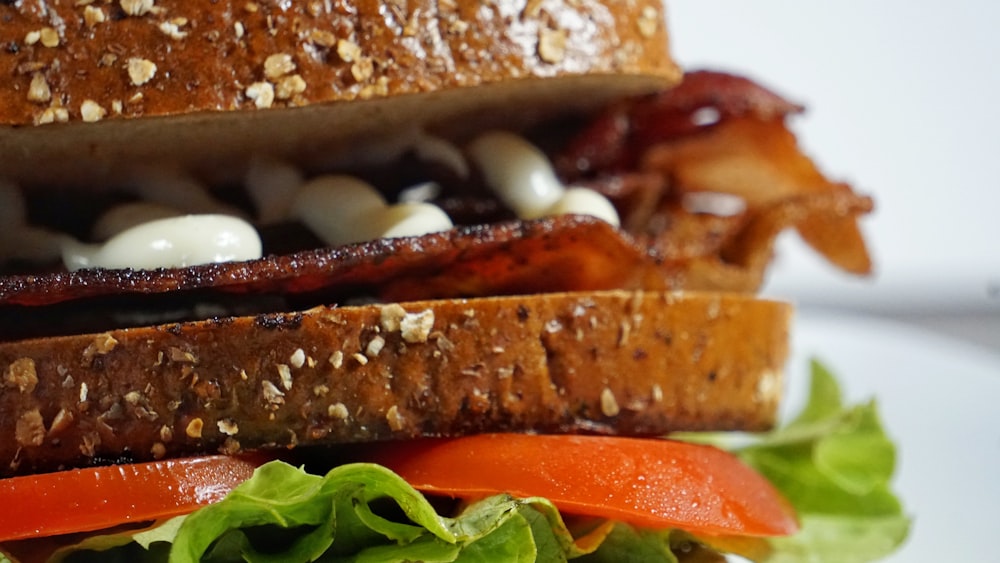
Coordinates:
[609,405]
[552,44]
[228,427]
[136,7]
[278,65]
[194,428]
[30,429]
[91,111]
[262,94]
[21,373]
[141,71]
[39,90]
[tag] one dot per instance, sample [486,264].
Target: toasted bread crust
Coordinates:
[227,72]
[612,362]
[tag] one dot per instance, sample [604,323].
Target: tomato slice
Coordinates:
[653,483]
[81,500]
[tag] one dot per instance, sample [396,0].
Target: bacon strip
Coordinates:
[716,134]
[554,254]
[616,138]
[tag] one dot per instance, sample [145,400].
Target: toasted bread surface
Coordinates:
[617,362]
[231,78]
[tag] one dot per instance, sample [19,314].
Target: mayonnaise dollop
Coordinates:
[173,242]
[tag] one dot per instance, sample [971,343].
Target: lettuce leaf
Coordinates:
[833,463]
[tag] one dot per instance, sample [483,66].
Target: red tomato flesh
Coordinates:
[651,483]
[82,500]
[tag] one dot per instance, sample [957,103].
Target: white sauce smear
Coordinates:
[174,242]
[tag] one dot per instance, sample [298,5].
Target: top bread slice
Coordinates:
[618,362]
[232,79]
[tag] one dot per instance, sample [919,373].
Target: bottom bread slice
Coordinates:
[618,362]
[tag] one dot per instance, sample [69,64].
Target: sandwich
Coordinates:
[270,268]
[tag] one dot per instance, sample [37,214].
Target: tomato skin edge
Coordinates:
[646,482]
[95,498]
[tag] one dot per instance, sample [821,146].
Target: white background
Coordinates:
[903,101]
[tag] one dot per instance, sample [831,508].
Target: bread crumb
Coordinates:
[337,359]
[532,9]
[136,7]
[657,393]
[99,346]
[648,22]
[166,433]
[239,30]
[338,410]
[30,429]
[348,51]
[276,66]
[228,427]
[231,446]
[321,390]
[158,450]
[262,94]
[289,87]
[298,358]
[21,374]
[91,111]
[251,7]
[272,395]
[322,38]
[107,59]
[380,88]
[768,386]
[391,316]
[32,37]
[360,358]
[53,115]
[141,71]
[285,374]
[93,15]
[395,419]
[552,44]
[194,428]
[84,391]
[363,69]
[61,423]
[624,332]
[609,405]
[172,30]
[416,327]
[49,37]
[182,356]
[375,346]
[90,442]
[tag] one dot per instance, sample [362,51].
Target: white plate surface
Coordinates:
[938,399]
